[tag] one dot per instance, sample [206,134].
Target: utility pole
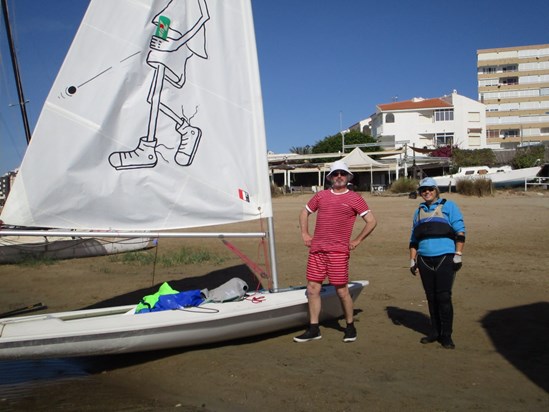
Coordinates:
[341,131]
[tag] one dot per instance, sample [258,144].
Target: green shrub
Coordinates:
[187,256]
[404,185]
[528,156]
[476,157]
[275,190]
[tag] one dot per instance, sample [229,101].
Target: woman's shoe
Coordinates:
[428,339]
[447,342]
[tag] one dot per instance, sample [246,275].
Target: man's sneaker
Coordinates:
[350,334]
[308,336]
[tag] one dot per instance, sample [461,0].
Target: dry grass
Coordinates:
[475,187]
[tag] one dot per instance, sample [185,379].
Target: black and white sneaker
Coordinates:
[350,334]
[309,335]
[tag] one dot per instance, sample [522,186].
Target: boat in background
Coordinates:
[158,150]
[502,176]
[15,249]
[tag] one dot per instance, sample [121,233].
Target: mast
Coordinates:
[272,253]
[16,71]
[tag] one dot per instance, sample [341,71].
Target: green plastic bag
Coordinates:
[149,301]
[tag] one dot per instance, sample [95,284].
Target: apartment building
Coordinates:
[513,83]
[6,181]
[430,123]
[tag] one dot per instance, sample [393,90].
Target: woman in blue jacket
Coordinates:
[436,247]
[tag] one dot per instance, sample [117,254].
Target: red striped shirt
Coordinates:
[335,220]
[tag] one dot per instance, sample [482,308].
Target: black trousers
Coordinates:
[437,276]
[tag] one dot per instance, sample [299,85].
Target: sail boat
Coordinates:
[14,249]
[165,111]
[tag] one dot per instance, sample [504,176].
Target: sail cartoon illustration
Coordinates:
[174,43]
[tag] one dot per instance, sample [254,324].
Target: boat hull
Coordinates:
[506,178]
[118,330]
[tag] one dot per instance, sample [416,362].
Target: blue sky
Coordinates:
[323,62]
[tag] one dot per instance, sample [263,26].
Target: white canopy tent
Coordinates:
[358,161]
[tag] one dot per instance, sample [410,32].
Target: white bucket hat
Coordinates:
[339,165]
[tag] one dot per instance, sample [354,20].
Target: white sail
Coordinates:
[140,133]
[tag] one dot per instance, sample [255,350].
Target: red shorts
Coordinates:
[334,265]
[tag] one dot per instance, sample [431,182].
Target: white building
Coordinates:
[430,123]
[513,83]
[363,126]
[6,182]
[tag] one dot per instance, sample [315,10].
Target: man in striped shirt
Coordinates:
[330,247]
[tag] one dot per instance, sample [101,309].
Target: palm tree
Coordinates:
[301,150]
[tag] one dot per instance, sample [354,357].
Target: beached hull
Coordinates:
[512,178]
[118,330]
[15,249]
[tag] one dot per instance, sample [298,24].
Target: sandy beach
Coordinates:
[501,303]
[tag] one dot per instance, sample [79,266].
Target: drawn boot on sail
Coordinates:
[190,138]
[144,155]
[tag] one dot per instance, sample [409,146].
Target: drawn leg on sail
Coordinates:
[144,155]
[174,43]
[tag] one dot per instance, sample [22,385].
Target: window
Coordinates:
[444,115]
[510,68]
[509,80]
[509,133]
[444,139]
[493,134]
[389,118]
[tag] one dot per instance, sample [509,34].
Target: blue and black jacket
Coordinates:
[435,227]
